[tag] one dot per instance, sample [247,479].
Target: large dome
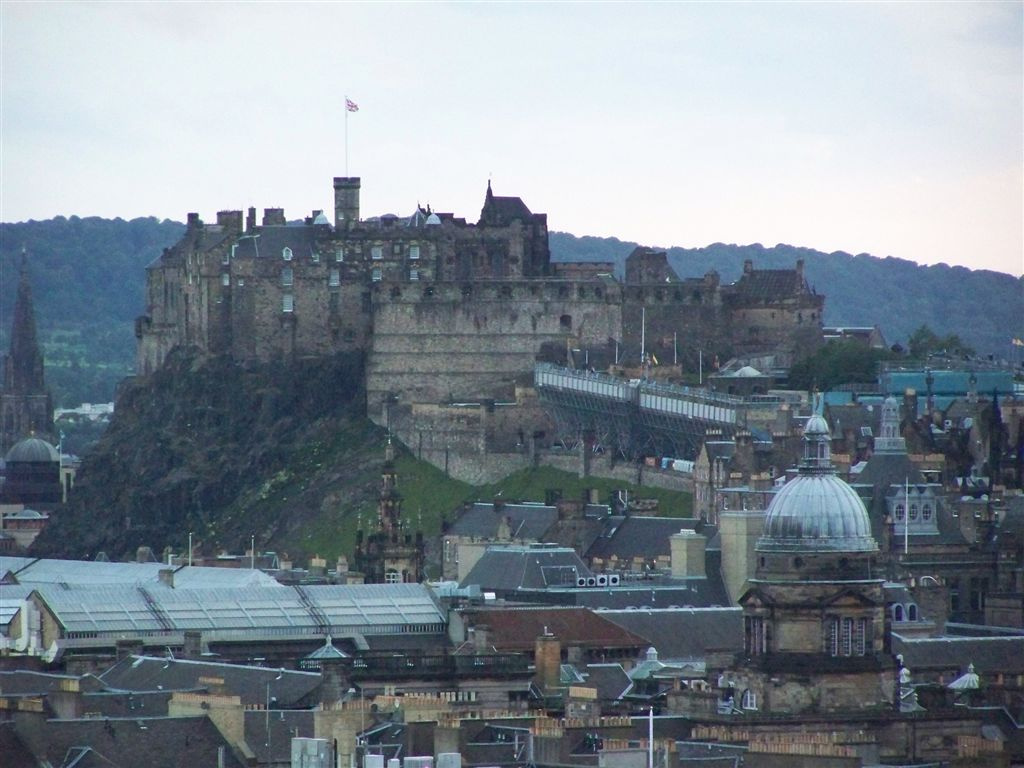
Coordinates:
[816,511]
[32,449]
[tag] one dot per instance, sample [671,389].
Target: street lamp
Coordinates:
[266,712]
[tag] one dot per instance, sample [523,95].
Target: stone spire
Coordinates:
[25,406]
[23,372]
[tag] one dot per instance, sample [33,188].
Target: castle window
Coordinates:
[377,275]
[900,513]
[287,303]
[392,577]
[376,252]
[287,276]
[339,255]
[334,278]
[286,253]
[414,274]
[225,279]
[414,252]
[897,612]
[911,612]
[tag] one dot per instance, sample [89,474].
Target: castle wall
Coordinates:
[450,342]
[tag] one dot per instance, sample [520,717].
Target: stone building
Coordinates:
[390,554]
[26,408]
[814,613]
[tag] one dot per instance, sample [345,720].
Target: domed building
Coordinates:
[32,474]
[814,613]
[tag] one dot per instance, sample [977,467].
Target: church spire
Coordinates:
[24,370]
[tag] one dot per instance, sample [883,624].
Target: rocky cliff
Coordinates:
[281,452]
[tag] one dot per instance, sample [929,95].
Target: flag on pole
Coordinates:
[350,105]
[1018,342]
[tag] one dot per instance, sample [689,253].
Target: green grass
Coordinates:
[428,495]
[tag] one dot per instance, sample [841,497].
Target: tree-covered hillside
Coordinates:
[88,278]
[985,309]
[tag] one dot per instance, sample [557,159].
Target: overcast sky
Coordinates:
[892,129]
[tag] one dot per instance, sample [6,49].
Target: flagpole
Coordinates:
[906,516]
[346,136]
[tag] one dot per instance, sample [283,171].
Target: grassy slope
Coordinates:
[428,496]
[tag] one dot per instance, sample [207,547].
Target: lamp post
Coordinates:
[266,712]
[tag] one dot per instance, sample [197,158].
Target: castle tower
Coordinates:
[346,201]
[26,408]
[814,613]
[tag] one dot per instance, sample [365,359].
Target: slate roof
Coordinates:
[508,569]
[23,682]
[149,673]
[526,521]
[500,211]
[273,240]
[990,655]
[610,680]
[771,283]
[157,742]
[638,536]
[656,592]
[684,633]
[13,749]
[269,734]
[517,629]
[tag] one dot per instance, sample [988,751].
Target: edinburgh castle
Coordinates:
[450,313]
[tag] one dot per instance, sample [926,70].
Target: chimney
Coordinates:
[250,219]
[167,576]
[230,220]
[547,657]
[128,647]
[193,645]
[346,201]
[193,221]
[273,217]
[687,548]
[748,266]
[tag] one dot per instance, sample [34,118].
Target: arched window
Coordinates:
[900,513]
[286,253]
[392,577]
[911,612]
[926,512]
[913,512]
[897,613]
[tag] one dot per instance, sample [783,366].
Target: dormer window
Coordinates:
[286,253]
